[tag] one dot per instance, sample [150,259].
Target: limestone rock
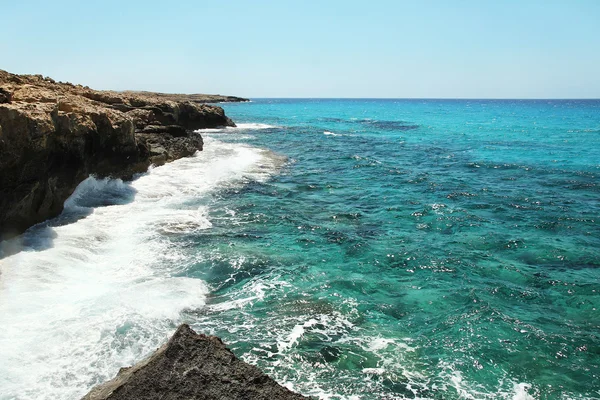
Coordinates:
[191,366]
[54,135]
[5,96]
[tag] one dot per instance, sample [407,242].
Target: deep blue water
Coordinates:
[415,248]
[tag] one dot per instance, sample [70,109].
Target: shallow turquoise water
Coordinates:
[412,248]
[353,249]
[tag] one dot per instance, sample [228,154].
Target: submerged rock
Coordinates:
[54,135]
[190,367]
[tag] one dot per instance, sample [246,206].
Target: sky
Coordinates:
[305,48]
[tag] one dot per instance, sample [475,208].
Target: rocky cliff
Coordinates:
[191,366]
[54,135]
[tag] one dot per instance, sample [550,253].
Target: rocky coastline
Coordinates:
[53,135]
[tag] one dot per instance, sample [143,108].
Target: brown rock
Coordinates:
[141,117]
[194,98]
[54,135]
[191,366]
[5,96]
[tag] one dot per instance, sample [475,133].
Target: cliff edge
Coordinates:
[191,366]
[54,135]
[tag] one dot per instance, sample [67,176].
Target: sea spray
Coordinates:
[100,286]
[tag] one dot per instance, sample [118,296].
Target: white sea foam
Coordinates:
[330,133]
[285,342]
[521,391]
[254,126]
[251,126]
[506,388]
[98,289]
[295,334]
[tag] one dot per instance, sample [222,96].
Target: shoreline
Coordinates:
[54,135]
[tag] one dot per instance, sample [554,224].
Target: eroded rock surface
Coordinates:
[54,135]
[191,367]
[194,98]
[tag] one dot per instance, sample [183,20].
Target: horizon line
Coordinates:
[417,98]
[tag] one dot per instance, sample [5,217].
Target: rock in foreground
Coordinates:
[191,367]
[54,135]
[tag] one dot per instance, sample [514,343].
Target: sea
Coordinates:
[350,248]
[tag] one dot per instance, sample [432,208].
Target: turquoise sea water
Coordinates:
[415,248]
[352,249]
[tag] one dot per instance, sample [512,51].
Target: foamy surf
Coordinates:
[97,288]
[252,126]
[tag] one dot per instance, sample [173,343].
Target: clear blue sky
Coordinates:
[305,48]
